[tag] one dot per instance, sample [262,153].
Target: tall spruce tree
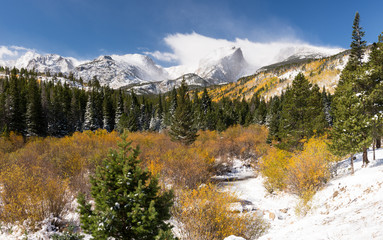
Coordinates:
[34,115]
[375,98]
[352,125]
[128,203]
[302,113]
[182,127]
[357,45]
[15,111]
[119,108]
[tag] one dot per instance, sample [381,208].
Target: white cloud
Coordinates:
[12,52]
[189,49]
[163,56]
[4,51]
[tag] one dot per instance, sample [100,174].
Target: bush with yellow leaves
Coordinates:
[273,167]
[31,195]
[187,167]
[302,172]
[205,214]
[309,170]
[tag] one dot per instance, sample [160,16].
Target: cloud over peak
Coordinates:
[189,49]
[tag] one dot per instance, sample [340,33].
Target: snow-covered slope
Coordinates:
[52,63]
[191,79]
[348,207]
[222,65]
[118,71]
[294,52]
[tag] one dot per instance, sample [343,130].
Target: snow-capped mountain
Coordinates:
[52,63]
[294,52]
[118,71]
[223,65]
[191,79]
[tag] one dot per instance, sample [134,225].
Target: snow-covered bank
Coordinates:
[348,207]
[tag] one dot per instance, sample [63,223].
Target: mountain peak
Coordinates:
[223,65]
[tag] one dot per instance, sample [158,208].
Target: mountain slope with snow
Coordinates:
[222,65]
[117,71]
[348,207]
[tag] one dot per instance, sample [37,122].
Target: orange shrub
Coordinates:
[309,169]
[11,143]
[205,213]
[245,142]
[274,167]
[187,167]
[31,195]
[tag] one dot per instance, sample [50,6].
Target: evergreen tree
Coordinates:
[93,118]
[302,113]
[75,119]
[375,98]
[352,126]
[357,45]
[128,203]
[261,112]
[108,111]
[273,119]
[172,107]
[3,106]
[182,129]
[326,99]
[134,114]
[34,115]
[14,105]
[119,108]
[207,119]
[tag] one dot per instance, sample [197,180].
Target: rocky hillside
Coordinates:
[273,79]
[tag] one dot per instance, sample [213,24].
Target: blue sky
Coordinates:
[88,28]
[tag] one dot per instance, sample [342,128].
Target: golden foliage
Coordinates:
[11,143]
[302,173]
[187,167]
[31,195]
[274,167]
[204,213]
[309,170]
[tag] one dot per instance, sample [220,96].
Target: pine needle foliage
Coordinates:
[127,200]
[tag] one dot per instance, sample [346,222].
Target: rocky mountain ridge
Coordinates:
[221,66]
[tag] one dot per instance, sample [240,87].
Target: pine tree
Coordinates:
[15,113]
[108,111]
[182,129]
[34,115]
[375,98]
[261,112]
[357,45]
[128,203]
[89,123]
[207,119]
[119,108]
[326,99]
[93,118]
[302,113]
[351,131]
[134,114]
[273,119]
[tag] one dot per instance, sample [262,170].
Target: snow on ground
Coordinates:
[348,207]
